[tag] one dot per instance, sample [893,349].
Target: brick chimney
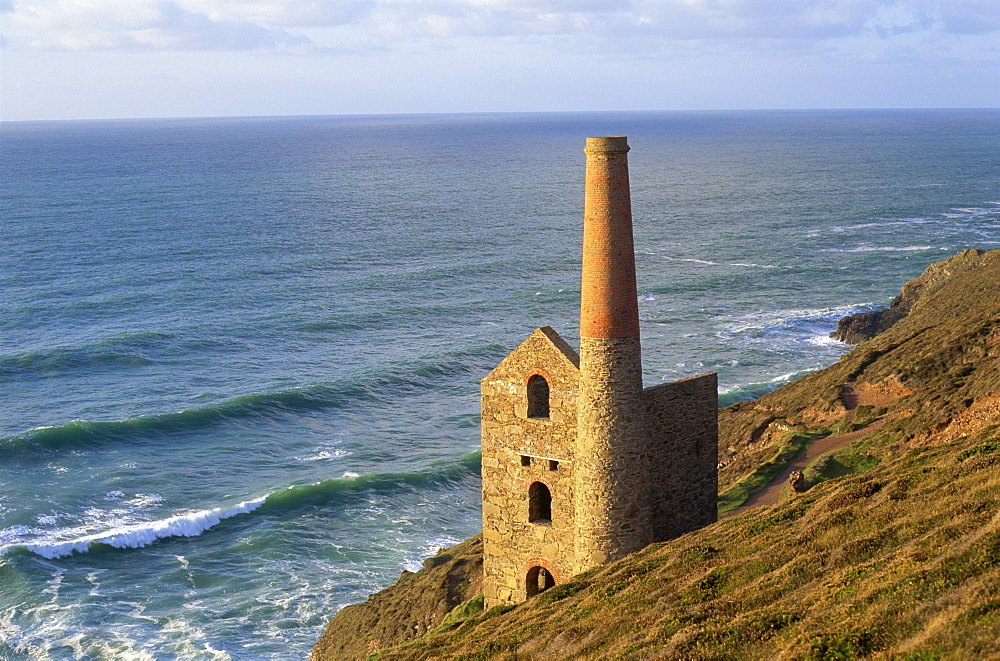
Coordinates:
[608,301]
[610,475]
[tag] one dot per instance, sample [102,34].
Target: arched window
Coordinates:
[539,503]
[538,397]
[539,579]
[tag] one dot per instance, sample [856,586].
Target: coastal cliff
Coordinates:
[857,328]
[888,542]
[414,605]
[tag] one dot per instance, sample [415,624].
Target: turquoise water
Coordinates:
[239,357]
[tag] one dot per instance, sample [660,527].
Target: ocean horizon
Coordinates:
[240,356]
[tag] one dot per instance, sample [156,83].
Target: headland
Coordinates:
[889,545]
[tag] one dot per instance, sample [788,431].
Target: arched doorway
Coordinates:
[538,579]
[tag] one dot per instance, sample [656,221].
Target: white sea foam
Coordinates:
[711,263]
[824,341]
[145,499]
[17,531]
[17,637]
[781,379]
[94,579]
[323,455]
[880,249]
[744,391]
[54,584]
[758,321]
[881,222]
[44,427]
[430,548]
[140,534]
[413,564]
[965,212]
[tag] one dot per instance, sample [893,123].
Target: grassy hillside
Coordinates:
[891,551]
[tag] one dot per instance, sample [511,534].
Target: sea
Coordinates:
[239,357]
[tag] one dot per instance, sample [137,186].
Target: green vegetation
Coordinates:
[887,562]
[852,459]
[459,615]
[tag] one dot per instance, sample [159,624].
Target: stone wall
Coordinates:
[624,466]
[612,506]
[519,451]
[682,422]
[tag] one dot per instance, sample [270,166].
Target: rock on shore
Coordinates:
[862,326]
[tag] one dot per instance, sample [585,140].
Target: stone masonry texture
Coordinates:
[624,466]
[512,545]
[612,504]
[611,486]
[681,419]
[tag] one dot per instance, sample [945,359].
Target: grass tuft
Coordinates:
[563,591]
[985,448]
[842,645]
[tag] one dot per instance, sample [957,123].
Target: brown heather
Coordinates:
[891,552]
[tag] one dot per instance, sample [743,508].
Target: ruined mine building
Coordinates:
[581,464]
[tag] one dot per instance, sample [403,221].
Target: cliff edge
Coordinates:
[415,604]
[886,545]
[856,328]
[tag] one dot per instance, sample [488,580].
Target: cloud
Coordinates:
[285,13]
[685,19]
[972,17]
[137,25]
[277,24]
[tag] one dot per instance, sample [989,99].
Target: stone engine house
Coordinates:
[581,464]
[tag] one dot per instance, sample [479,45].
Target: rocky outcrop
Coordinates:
[862,326]
[415,604]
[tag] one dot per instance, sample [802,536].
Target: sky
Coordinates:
[89,59]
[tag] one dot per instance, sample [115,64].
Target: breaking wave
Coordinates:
[882,249]
[142,534]
[293,498]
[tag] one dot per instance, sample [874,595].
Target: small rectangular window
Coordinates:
[525,460]
[553,465]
